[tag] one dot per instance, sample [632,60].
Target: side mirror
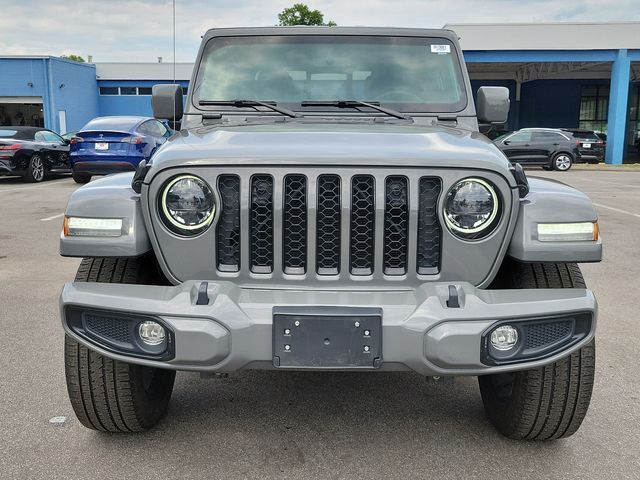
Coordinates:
[166,101]
[492,104]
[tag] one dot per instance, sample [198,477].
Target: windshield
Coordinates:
[410,74]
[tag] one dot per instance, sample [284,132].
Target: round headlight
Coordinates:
[188,205]
[471,208]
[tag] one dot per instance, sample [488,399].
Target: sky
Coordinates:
[140,30]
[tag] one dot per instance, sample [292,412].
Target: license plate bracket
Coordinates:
[327,338]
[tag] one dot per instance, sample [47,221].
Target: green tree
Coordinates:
[74,58]
[300,14]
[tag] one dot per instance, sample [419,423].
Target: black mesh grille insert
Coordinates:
[294,224]
[261,219]
[328,226]
[540,334]
[363,213]
[396,223]
[111,328]
[228,234]
[429,231]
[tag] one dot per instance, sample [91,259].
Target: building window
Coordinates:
[109,91]
[594,107]
[130,90]
[634,117]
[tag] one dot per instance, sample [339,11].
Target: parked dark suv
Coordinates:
[590,144]
[549,147]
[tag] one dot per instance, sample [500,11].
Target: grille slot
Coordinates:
[363,215]
[328,218]
[228,232]
[261,216]
[294,224]
[396,225]
[429,230]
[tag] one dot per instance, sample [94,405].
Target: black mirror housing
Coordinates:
[492,105]
[166,100]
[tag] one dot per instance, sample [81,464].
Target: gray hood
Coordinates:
[295,143]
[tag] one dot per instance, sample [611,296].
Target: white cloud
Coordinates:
[140,30]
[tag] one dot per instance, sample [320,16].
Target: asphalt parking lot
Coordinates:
[259,424]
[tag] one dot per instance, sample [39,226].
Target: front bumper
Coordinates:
[420,331]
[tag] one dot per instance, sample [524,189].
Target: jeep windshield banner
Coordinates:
[409,74]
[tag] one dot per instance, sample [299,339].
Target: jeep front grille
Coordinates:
[339,221]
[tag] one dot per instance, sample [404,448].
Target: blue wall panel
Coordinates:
[17,73]
[62,84]
[73,89]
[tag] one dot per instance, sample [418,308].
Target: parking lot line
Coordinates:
[52,218]
[619,210]
[31,187]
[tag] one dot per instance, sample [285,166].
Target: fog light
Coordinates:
[151,333]
[504,338]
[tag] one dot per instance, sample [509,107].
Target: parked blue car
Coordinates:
[114,144]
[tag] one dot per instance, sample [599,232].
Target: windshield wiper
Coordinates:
[355,104]
[250,103]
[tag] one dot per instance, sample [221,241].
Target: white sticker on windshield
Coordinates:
[440,49]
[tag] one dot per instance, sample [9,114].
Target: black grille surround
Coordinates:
[328,228]
[261,220]
[363,217]
[294,224]
[429,229]
[228,229]
[396,225]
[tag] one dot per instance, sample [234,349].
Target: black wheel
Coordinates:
[35,169]
[562,162]
[549,402]
[81,177]
[106,394]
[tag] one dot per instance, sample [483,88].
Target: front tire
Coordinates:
[109,395]
[35,169]
[549,402]
[562,162]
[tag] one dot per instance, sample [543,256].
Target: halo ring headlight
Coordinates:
[187,204]
[471,208]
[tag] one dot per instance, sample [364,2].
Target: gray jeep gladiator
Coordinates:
[329,203]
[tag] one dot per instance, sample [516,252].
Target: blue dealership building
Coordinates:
[565,75]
